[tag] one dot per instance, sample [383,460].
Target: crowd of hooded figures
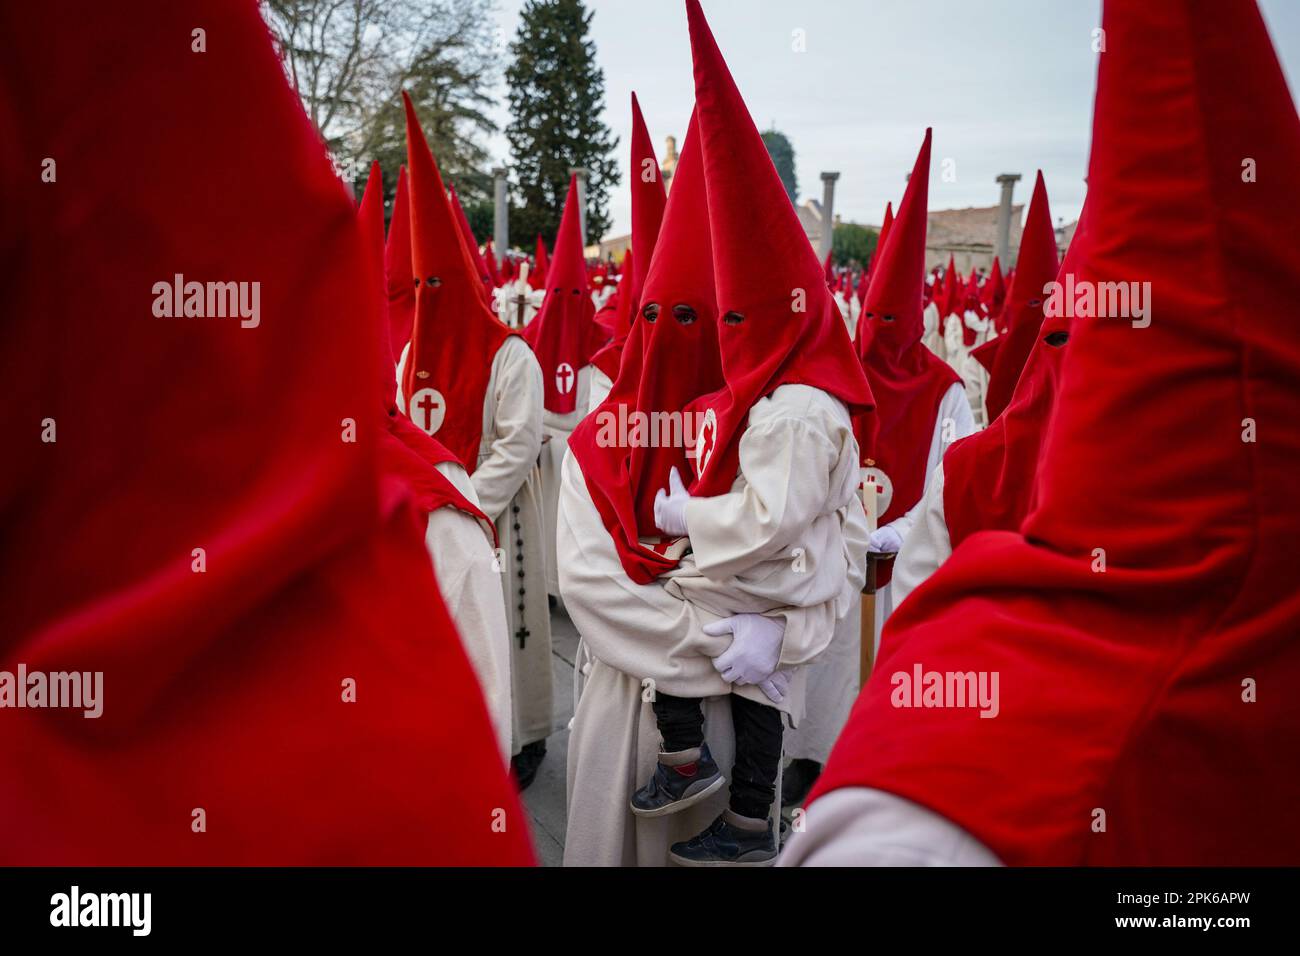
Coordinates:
[339,569]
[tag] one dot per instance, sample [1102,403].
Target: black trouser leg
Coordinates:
[758,757]
[681,721]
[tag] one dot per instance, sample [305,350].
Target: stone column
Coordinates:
[1003,250]
[828,213]
[501,219]
[581,172]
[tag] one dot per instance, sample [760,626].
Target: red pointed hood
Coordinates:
[565,334]
[885,225]
[370,217]
[241,568]
[537,277]
[995,295]
[405,452]
[908,380]
[456,337]
[490,261]
[1036,266]
[972,301]
[648,199]
[471,244]
[668,362]
[779,321]
[1148,600]
[947,297]
[864,277]
[397,269]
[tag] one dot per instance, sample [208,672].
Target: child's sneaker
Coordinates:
[681,780]
[731,840]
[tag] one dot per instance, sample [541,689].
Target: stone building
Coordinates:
[969,236]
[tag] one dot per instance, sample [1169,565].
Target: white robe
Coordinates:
[932,336]
[976,379]
[800,458]
[599,388]
[832,688]
[862,826]
[953,409]
[557,429]
[927,545]
[979,325]
[972,372]
[507,483]
[845,305]
[465,565]
[954,343]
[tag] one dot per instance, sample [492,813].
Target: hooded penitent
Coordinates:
[950,298]
[994,294]
[971,301]
[611,315]
[537,277]
[456,337]
[1036,266]
[406,453]
[648,199]
[240,587]
[778,322]
[397,271]
[864,279]
[565,335]
[672,356]
[989,477]
[490,261]
[1140,617]
[907,379]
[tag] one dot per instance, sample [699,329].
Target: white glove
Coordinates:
[755,648]
[885,541]
[670,506]
[775,687]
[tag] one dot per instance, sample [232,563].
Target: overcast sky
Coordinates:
[1006,84]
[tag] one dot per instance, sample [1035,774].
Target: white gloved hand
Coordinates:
[670,506]
[755,647]
[776,686]
[885,541]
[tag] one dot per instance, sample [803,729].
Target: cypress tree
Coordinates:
[557,95]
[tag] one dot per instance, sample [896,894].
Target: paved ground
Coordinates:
[544,800]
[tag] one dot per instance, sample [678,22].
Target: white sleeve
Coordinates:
[787,464]
[401,371]
[926,546]
[455,472]
[515,417]
[953,421]
[463,564]
[599,388]
[862,826]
